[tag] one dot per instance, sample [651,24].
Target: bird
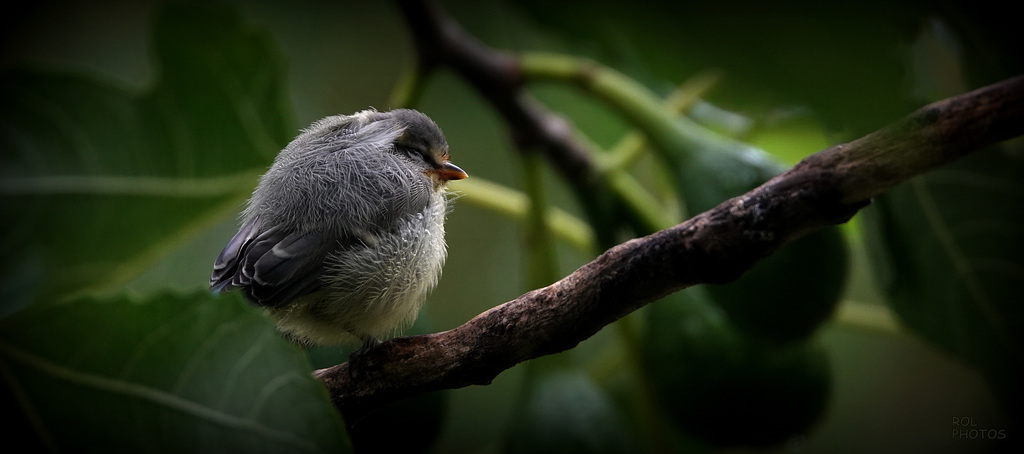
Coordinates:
[343,236]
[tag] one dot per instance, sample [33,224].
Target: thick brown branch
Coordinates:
[714,247]
[930,137]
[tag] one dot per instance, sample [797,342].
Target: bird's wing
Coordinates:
[271,267]
[225,268]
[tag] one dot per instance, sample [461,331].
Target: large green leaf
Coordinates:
[170,373]
[97,180]
[949,254]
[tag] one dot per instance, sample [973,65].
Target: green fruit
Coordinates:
[719,386]
[563,411]
[787,295]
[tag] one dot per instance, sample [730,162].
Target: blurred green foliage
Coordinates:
[168,372]
[99,180]
[112,195]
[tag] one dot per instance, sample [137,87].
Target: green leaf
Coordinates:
[171,373]
[97,180]
[949,256]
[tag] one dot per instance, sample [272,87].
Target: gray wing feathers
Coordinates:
[271,268]
[226,266]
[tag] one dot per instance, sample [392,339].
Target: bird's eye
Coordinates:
[443,155]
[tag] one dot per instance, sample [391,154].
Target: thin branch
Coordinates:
[440,42]
[716,246]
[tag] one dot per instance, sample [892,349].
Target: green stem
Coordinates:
[515,205]
[630,192]
[674,136]
[869,317]
[655,119]
[633,145]
[542,267]
[643,204]
[541,259]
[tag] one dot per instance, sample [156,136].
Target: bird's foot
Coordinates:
[360,358]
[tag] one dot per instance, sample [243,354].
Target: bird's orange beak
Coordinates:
[449,171]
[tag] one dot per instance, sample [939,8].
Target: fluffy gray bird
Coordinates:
[344,235]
